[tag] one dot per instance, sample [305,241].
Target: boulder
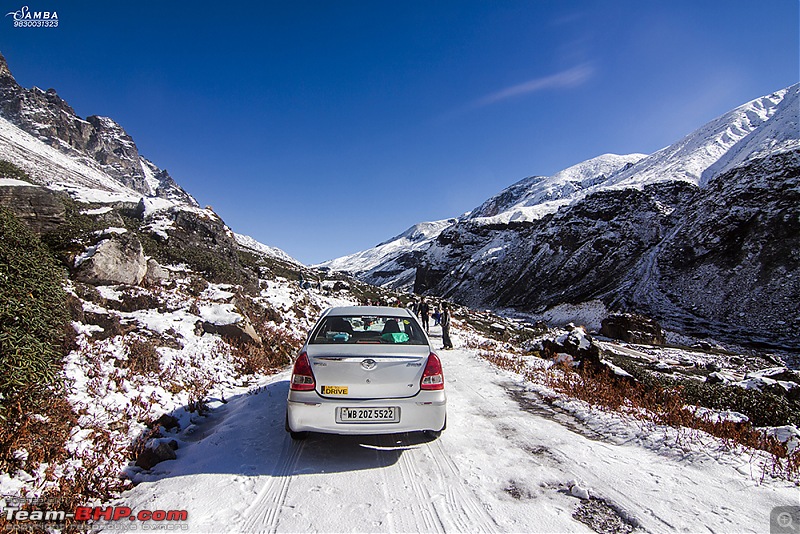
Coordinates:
[116,260]
[167,421]
[575,343]
[241,331]
[341,286]
[633,328]
[154,455]
[155,272]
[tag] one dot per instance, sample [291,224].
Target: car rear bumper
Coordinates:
[308,412]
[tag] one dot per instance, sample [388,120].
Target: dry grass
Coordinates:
[97,478]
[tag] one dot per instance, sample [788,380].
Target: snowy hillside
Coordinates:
[533,198]
[83,179]
[764,126]
[391,263]
[93,158]
[249,243]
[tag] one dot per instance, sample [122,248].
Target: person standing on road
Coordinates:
[444,320]
[424,313]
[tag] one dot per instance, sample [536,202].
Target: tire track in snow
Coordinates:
[387,495]
[422,506]
[263,514]
[462,503]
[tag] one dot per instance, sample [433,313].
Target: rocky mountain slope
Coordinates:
[701,234]
[99,153]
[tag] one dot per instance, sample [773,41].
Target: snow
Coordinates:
[786,434]
[111,230]
[97,211]
[533,198]
[717,416]
[616,369]
[88,253]
[218,292]
[248,242]
[149,177]
[13,182]
[506,463]
[159,226]
[766,125]
[382,257]
[153,205]
[220,314]
[82,178]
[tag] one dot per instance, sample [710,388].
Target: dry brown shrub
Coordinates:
[278,347]
[42,434]
[143,357]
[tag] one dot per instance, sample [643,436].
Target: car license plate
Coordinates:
[390,414]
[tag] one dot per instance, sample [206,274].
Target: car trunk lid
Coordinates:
[362,372]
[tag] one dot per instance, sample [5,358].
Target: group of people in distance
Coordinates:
[423,310]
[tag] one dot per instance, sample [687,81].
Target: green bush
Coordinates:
[33,323]
[33,310]
[763,408]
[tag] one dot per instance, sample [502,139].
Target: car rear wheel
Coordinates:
[297,436]
[433,434]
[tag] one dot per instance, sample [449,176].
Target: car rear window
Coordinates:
[368,329]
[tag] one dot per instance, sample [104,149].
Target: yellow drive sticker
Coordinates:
[334,390]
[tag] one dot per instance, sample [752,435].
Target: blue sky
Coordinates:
[326,127]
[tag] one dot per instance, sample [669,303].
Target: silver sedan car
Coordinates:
[366,370]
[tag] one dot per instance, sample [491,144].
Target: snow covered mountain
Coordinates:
[95,153]
[532,198]
[693,234]
[393,262]
[764,126]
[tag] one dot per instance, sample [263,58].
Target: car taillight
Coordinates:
[302,375]
[432,376]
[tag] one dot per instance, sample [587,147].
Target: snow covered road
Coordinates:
[508,462]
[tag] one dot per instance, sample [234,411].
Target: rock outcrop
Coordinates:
[240,332]
[156,454]
[633,328]
[38,208]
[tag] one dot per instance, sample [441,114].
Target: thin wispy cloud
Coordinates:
[565,79]
[561,80]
